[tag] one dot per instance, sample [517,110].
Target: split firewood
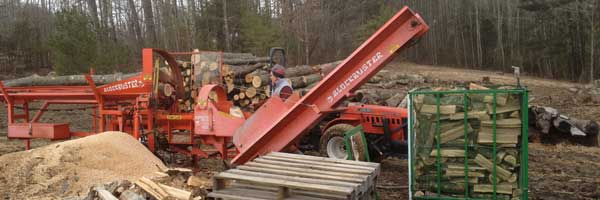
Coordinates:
[454,133]
[448,153]
[501,172]
[488,188]
[152,188]
[443,109]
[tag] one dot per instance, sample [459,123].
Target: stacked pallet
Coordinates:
[291,176]
[458,154]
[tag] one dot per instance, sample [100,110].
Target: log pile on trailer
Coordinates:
[244,75]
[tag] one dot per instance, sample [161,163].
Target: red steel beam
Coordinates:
[265,132]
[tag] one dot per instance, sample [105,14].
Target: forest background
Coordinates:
[555,39]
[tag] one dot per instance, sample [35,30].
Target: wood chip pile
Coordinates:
[70,168]
[449,161]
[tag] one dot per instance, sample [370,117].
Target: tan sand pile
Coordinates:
[70,168]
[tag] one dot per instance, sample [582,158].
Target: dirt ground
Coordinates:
[555,172]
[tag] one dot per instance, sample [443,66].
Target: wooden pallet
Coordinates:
[292,176]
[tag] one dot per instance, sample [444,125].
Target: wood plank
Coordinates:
[300,174]
[325,159]
[308,171]
[239,193]
[269,157]
[307,166]
[229,195]
[291,184]
[295,192]
[292,178]
[176,192]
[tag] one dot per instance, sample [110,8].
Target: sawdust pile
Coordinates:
[70,168]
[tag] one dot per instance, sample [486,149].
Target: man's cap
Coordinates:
[278,71]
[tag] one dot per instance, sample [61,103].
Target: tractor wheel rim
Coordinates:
[336,148]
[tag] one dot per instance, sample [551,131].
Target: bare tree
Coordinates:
[149,21]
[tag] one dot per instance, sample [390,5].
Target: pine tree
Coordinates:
[73,43]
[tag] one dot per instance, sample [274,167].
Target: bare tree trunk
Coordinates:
[111,20]
[135,21]
[226,27]
[499,29]
[192,22]
[149,20]
[593,31]
[478,30]
[93,12]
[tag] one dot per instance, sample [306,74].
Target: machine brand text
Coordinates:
[354,76]
[124,86]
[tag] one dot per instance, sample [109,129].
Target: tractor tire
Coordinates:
[332,141]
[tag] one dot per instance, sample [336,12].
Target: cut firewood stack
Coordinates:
[186,104]
[448,161]
[246,77]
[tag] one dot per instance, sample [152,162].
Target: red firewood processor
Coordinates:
[141,105]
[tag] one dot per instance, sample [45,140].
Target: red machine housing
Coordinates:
[374,119]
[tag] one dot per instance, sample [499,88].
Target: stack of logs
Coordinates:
[244,76]
[248,85]
[443,153]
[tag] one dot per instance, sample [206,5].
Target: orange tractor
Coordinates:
[385,129]
[136,106]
